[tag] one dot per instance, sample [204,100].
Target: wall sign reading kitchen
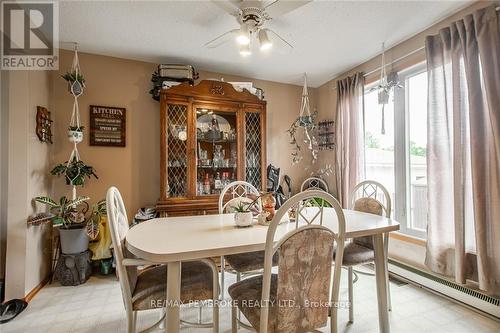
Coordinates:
[107,126]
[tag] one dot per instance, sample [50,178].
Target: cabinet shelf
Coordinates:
[216,141]
[215,167]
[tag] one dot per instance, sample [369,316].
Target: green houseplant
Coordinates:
[98,211]
[70,217]
[76,82]
[74,172]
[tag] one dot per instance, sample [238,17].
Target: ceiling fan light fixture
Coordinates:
[265,42]
[243,37]
[245,50]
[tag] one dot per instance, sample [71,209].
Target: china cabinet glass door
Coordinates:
[216,150]
[177,150]
[253,149]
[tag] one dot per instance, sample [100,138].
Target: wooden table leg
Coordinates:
[173,297]
[380,276]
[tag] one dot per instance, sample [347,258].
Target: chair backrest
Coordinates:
[118,227]
[370,189]
[304,269]
[314,183]
[235,190]
[371,197]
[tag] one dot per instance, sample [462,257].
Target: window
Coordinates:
[395,147]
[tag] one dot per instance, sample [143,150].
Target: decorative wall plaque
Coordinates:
[107,126]
[43,124]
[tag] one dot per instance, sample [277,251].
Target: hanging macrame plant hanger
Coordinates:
[383,93]
[386,84]
[305,118]
[76,89]
[306,122]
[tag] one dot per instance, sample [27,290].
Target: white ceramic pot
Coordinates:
[75,136]
[243,219]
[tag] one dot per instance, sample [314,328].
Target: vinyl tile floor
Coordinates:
[97,306]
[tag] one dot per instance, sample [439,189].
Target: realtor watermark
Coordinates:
[162,303]
[30,35]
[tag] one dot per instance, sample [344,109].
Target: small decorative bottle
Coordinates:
[206,185]
[217,182]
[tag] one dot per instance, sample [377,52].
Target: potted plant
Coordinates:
[98,211]
[74,172]
[76,82]
[75,134]
[243,217]
[70,217]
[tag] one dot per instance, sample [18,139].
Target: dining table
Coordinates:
[172,240]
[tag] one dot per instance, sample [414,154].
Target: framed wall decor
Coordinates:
[107,126]
[43,124]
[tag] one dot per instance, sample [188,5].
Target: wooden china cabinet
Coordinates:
[211,135]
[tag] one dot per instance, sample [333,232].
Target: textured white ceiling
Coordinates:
[329,37]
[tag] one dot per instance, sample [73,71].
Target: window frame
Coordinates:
[402,186]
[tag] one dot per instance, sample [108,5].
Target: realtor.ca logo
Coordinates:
[30,35]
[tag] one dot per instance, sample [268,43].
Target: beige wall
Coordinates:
[28,248]
[134,169]
[327,99]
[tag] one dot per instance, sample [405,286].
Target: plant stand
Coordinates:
[73,269]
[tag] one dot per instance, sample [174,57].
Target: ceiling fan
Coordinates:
[252,16]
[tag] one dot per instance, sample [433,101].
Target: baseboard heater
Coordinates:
[468,297]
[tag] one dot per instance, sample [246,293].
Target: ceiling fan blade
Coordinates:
[280,41]
[232,7]
[282,7]
[222,39]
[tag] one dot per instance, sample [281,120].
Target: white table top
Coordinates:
[194,237]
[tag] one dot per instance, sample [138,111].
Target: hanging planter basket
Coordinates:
[76,82]
[306,121]
[75,88]
[75,134]
[306,124]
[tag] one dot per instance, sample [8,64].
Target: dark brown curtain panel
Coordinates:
[463,63]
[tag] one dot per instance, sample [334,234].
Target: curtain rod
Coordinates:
[400,58]
[391,63]
[395,61]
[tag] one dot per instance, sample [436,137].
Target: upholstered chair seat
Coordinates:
[355,254]
[150,289]
[247,262]
[247,295]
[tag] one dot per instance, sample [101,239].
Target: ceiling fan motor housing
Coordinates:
[253,16]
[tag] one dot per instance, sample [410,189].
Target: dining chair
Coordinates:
[369,197]
[243,264]
[297,298]
[146,289]
[314,183]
